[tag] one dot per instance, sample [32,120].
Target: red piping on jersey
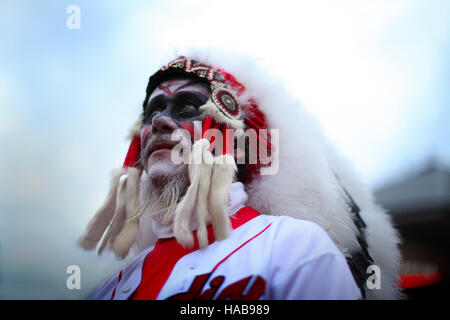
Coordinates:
[234,251]
[118,280]
[158,265]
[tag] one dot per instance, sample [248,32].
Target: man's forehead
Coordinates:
[172,86]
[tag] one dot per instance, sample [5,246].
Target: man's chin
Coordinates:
[162,170]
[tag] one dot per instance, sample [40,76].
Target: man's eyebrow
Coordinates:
[156,99]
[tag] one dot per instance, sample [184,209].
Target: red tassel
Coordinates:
[133,153]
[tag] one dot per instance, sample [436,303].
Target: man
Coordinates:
[218,207]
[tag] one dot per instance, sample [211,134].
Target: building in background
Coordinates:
[419,204]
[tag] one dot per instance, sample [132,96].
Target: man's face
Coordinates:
[174,104]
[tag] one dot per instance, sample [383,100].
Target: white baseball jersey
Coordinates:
[266,257]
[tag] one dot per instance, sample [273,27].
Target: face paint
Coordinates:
[171,87]
[177,99]
[172,105]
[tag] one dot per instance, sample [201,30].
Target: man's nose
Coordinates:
[163,124]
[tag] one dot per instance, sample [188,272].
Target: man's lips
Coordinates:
[168,145]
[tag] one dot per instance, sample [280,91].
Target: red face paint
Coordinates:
[189,127]
[144,131]
[172,87]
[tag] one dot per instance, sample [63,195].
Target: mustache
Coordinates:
[151,141]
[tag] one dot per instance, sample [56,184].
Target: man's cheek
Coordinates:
[189,127]
[144,132]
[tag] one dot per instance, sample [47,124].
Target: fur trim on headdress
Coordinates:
[117,213]
[120,207]
[125,239]
[202,196]
[185,208]
[222,177]
[118,220]
[104,215]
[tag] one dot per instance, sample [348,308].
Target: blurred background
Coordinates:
[375,73]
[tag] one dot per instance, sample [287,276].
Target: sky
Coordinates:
[375,73]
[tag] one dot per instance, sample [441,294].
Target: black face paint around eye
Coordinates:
[183,106]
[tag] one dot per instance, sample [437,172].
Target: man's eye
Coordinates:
[152,114]
[188,109]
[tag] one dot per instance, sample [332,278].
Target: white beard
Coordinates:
[155,199]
